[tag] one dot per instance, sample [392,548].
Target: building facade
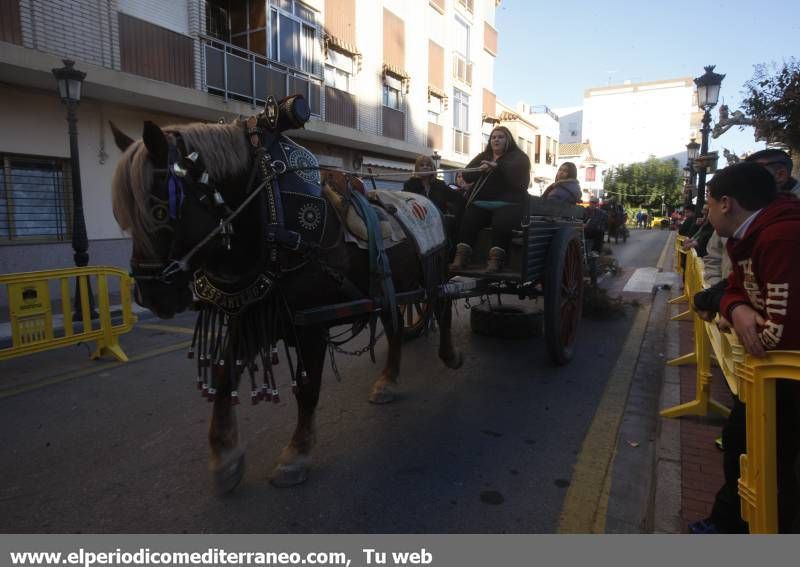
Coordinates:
[384,85]
[630,122]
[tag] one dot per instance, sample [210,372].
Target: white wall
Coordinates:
[629,123]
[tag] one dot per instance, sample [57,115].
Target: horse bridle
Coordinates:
[185,168]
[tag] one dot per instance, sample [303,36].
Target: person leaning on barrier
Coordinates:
[779,165]
[499,198]
[762,303]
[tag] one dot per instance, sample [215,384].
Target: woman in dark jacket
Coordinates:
[499,198]
[566,187]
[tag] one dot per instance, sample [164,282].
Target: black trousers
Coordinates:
[502,220]
[595,239]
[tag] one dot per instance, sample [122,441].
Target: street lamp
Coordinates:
[708,86]
[691,154]
[69,82]
[437,159]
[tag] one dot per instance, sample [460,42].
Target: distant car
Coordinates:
[660,222]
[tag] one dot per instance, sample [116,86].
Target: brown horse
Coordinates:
[164,228]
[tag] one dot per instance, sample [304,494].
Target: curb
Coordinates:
[668,496]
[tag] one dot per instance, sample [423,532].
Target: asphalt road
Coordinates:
[100,447]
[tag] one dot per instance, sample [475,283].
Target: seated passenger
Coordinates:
[566,187]
[499,198]
[449,201]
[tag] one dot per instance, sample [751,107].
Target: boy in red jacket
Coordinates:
[762,302]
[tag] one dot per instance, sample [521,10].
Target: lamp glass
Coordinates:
[691,150]
[74,89]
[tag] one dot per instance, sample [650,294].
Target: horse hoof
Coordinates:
[229,474]
[455,361]
[382,393]
[284,476]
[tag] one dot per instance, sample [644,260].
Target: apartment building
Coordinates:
[386,80]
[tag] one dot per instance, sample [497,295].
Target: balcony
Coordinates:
[394,123]
[340,107]
[238,74]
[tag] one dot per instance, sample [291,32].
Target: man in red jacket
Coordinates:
[762,302]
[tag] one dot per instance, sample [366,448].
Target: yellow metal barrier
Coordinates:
[31,313]
[753,380]
[680,263]
[701,355]
[758,483]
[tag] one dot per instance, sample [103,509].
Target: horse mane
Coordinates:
[222,147]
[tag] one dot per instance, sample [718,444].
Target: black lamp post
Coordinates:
[69,82]
[692,149]
[437,159]
[708,86]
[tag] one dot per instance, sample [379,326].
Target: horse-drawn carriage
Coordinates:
[245,220]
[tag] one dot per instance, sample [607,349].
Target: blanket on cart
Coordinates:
[402,215]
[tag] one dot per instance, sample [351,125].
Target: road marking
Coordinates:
[586,503]
[642,281]
[168,328]
[95,370]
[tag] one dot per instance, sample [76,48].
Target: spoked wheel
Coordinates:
[563,294]
[414,317]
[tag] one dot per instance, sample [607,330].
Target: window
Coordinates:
[460,121]
[462,67]
[338,70]
[538,152]
[435,108]
[392,96]
[468,5]
[292,29]
[591,173]
[462,37]
[35,198]
[293,35]
[548,152]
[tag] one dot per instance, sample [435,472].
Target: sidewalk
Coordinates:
[688,468]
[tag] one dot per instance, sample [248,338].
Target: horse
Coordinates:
[616,225]
[261,277]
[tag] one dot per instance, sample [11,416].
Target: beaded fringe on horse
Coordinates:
[237,344]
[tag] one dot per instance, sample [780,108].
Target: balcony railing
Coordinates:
[235,73]
[340,107]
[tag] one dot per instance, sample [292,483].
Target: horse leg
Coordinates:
[384,390]
[226,461]
[295,459]
[450,355]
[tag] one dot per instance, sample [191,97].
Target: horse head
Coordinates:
[157,199]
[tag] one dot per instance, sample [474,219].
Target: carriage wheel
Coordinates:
[414,317]
[563,294]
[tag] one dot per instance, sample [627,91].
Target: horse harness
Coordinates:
[227,330]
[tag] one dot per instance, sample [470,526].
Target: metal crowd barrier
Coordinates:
[753,380]
[35,328]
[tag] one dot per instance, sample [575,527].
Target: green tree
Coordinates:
[643,184]
[773,102]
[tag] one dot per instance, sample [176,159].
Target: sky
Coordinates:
[551,51]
